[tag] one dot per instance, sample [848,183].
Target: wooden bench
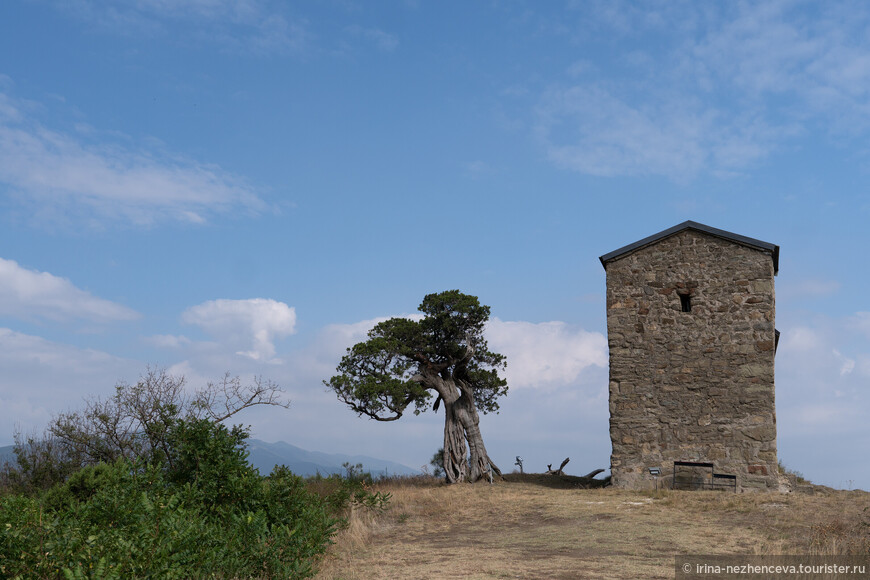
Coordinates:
[713,481]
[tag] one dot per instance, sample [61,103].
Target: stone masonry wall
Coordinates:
[699,385]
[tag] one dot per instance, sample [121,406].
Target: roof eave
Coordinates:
[690,225]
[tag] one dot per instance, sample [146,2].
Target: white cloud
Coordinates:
[29,294]
[193,375]
[800,339]
[322,356]
[56,174]
[41,378]
[545,354]
[335,338]
[168,341]
[817,363]
[254,324]
[25,349]
[727,86]
[848,364]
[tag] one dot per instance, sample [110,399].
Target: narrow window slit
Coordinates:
[686,302]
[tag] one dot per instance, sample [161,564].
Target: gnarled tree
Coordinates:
[405,363]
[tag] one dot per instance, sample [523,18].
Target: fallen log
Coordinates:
[592,474]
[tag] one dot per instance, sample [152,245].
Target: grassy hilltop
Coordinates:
[536,526]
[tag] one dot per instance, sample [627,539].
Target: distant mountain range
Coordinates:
[265,456]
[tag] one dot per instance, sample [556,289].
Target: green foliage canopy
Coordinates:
[405,362]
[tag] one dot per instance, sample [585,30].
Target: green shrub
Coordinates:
[354,491]
[209,462]
[204,513]
[437,463]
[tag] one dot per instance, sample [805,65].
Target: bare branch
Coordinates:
[551,471]
[470,348]
[363,410]
[220,401]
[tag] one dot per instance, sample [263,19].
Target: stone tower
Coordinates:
[690,325]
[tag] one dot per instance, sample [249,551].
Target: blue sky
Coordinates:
[248,186]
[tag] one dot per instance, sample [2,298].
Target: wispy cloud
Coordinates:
[168,341]
[733,85]
[253,26]
[818,56]
[60,176]
[590,130]
[478,168]
[382,40]
[860,321]
[251,324]
[30,294]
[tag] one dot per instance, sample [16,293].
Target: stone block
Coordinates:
[760,433]
[763,345]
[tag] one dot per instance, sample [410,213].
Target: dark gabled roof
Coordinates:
[690,225]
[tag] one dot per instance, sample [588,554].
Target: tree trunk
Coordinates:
[461,425]
[455,452]
[480,465]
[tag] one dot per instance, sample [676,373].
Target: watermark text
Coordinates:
[772,567]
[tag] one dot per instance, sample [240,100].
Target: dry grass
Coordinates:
[525,528]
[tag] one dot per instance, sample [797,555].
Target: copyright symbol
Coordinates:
[687,568]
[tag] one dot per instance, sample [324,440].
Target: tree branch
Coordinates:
[223,400]
[360,410]
[551,471]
